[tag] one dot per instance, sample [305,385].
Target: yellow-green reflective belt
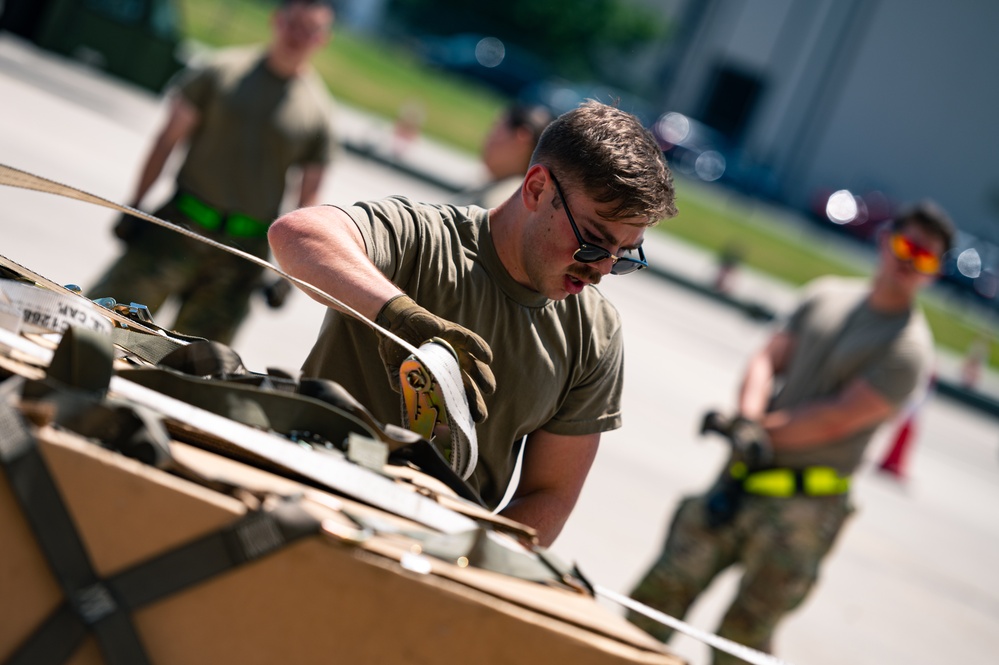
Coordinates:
[811,481]
[196,211]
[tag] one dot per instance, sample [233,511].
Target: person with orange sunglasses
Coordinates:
[847,360]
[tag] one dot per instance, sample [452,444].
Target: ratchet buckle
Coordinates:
[423,398]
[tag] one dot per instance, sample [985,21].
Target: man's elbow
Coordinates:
[287,232]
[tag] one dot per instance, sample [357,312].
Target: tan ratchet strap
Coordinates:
[443,367]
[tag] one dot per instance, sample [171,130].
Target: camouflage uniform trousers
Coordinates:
[213,286]
[779,543]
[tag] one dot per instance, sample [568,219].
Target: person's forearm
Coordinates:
[757,386]
[312,179]
[806,426]
[180,125]
[151,170]
[320,246]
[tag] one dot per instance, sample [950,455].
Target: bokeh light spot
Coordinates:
[489,52]
[841,208]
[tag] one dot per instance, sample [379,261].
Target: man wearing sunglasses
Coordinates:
[848,358]
[540,352]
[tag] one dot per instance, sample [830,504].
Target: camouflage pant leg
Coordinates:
[217,300]
[154,265]
[785,541]
[691,558]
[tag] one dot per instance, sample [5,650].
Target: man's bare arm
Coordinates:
[763,368]
[322,246]
[179,126]
[858,406]
[312,179]
[552,475]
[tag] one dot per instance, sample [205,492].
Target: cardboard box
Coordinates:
[330,597]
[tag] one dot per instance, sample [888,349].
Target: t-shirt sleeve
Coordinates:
[897,373]
[593,403]
[196,85]
[394,235]
[792,323]
[322,147]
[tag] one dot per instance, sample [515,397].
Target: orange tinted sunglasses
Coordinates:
[923,260]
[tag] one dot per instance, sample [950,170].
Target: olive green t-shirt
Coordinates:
[254,126]
[558,364]
[838,338]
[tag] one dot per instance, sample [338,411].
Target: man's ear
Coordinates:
[534,186]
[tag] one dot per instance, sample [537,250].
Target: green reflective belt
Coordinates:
[242,226]
[235,224]
[810,481]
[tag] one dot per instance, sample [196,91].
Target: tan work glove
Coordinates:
[402,316]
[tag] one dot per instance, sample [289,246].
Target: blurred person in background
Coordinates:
[247,117]
[849,358]
[511,289]
[506,153]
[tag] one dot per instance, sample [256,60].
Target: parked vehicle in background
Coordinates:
[697,150]
[561,95]
[503,66]
[691,147]
[137,40]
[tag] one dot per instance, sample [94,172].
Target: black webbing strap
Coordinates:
[104,605]
[43,507]
[83,360]
[254,536]
[281,411]
[151,348]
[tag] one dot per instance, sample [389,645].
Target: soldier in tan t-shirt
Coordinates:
[247,116]
[511,289]
[848,359]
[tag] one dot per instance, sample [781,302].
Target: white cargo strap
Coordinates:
[445,370]
[728,646]
[29,308]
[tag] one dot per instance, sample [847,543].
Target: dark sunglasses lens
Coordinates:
[590,254]
[626,266]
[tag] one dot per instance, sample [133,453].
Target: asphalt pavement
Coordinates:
[914,578]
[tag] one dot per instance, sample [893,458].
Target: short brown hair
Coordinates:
[608,152]
[931,218]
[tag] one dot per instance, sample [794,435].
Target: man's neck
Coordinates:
[285,66]
[502,220]
[888,300]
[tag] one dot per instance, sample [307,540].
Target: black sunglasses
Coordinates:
[590,253]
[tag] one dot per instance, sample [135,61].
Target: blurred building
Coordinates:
[889,96]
